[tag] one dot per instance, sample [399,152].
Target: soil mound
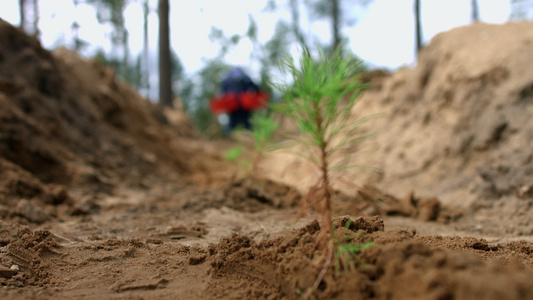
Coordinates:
[399,265]
[389,268]
[70,122]
[246,194]
[463,110]
[457,127]
[459,124]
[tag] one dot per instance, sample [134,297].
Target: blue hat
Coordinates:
[236,73]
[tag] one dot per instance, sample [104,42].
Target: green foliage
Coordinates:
[263,128]
[205,122]
[322,9]
[210,77]
[320,98]
[271,6]
[226,43]
[196,91]
[345,252]
[296,28]
[277,47]
[261,134]
[238,156]
[176,70]
[335,11]
[233,154]
[251,33]
[131,71]
[112,11]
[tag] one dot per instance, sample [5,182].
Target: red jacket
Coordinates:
[231,102]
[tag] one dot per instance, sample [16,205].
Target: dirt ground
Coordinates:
[104,195]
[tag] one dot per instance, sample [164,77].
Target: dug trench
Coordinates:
[160,250]
[105,195]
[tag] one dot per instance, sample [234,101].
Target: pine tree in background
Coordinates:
[22,12]
[112,11]
[165,85]
[475,11]
[36,14]
[335,20]
[337,14]
[418,27]
[521,10]
[294,7]
[145,84]
[29,17]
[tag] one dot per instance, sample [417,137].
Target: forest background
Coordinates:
[172,50]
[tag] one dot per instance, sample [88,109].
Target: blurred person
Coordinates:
[240,95]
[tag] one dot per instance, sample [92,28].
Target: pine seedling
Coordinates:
[320,97]
[263,128]
[261,134]
[233,154]
[345,252]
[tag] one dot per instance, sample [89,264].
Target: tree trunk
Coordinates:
[295,16]
[22,12]
[475,11]
[119,35]
[165,86]
[335,20]
[146,53]
[36,33]
[29,17]
[125,49]
[418,27]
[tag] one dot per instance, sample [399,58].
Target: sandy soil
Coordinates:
[104,195]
